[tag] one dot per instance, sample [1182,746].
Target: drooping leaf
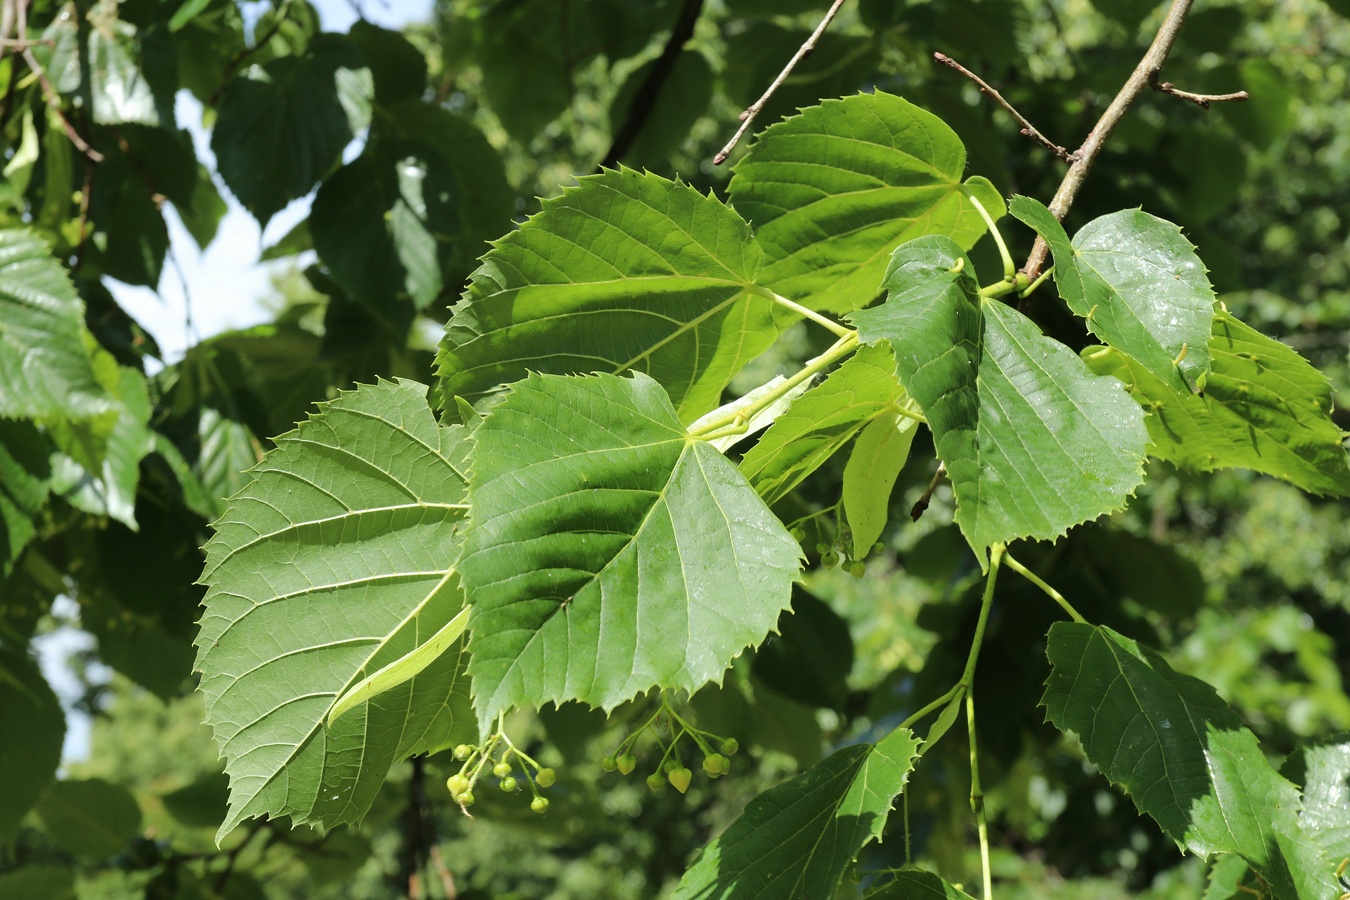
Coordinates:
[335,561]
[822,421]
[916,884]
[810,658]
[30,748]
[833,191]
[45,370]
[25,482]
[1264,407]
[1034,443]
[795,840]
[869,476]
[609,552]
[90,817]
[1182,754]
[1138,283]
[625,272]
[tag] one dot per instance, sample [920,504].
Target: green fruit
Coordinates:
[829,559]
[456,784]
[716,765]
[655,782]
[670,765]
[545,777]
[822,548]
[539,804]
[857,568]
[465,799]
[462,751]
[730,746]
[609,764]
[680,778]
[508,784]
[626,763]
[501,769]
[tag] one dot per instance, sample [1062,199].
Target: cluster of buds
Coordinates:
[671,767]
[498,755]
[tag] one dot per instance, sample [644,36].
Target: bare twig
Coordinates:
[644,101]
[753,109]
[1201,100]
[49,92]
[921,505]
[1027,128]
[1148,68]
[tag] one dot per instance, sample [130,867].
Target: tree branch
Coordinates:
[1027,128]
[1201,100]
[49,92]
[1087,154]
[754,109]
[644,101]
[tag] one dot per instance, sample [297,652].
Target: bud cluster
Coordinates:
[498,756]
[671,767]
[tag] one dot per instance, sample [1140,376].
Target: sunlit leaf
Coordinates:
[869,476]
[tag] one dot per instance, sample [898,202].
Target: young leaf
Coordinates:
[608,551]
[1182,754]
[333,563]
[1034,443]
[1264,407]
[870,474]
[821,421]
[1138,283]
[625,271]
[795,840]
[916,884]
[833,191]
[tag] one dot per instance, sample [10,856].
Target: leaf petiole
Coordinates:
[829,324]
[1009,267]
[1049,591]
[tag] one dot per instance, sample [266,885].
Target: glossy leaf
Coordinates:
[875,463]
[832,191]
[349,527]
[1182,754]
[609,552]
[1324,770]
[822,421]
[1264,407]
[29,753]
[795,840]
[90,817]
[1034,443]
[119,86]
[1138,283]
[625,272]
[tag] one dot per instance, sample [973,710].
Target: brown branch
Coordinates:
[1087,154]
[921,505]
[754,109]
[1201,100]
[1027,128]
[49,92]
[644,101]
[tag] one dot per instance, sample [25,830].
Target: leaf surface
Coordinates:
[916,884]
[335,561]
[609,552]
[29,754]
[795,840]
[832,191]
[869,476]
[90,817]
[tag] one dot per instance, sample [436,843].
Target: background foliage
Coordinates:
[113,459]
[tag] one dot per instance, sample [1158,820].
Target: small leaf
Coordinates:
[624,272]
[1138,283]
[916,884]
[869,476]
[608,551]
[796,839]
[832,191]
[25,483]
[90,818]
[1264,407]
[29,754]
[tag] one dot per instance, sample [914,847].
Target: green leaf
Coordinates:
[45,370]
[833,191]
[122,63]
[1138,283]
[201,803]
[29,754]
[283,125]
[38,883]
[1325,774]
[683,98]
[870,474]
[1034,443]
[627,271]
[1264,407]
[399,68]
[188,11]
[90,818]
[25,482]
[608,551]
[133,238]
[916,884]
[1182,754]
[796,839]
[822,421]
[351,525]
[1229,870]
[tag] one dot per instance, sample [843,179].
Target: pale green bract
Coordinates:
[610,553]
[832,191]
[334,562]
[869,476]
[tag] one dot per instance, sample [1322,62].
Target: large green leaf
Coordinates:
[30,742]
[45,370]
[335,561]
[1138,283]
[1264,407]
[1182,754]
[609,552]
[1034,443]
[90,817]
[281,126]
[833,191]
[795,840]
[821,421]
[626,271]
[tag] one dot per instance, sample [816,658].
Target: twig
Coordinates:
[644,101]
[1087,154]
[918,508]
[48,90]
[1201,100]
[754,109]
[283,14]
[1027,128]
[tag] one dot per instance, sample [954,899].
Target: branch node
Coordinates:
[1201,100]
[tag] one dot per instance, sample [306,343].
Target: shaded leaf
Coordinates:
[201,803]
[795,840]
[25,482]
[833,191]
[869,476]
[91,817]
[38,883]
[29,754]
[916,884]
[610,553]
[350,526]
[810,658]
[683,98]
[398,68]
